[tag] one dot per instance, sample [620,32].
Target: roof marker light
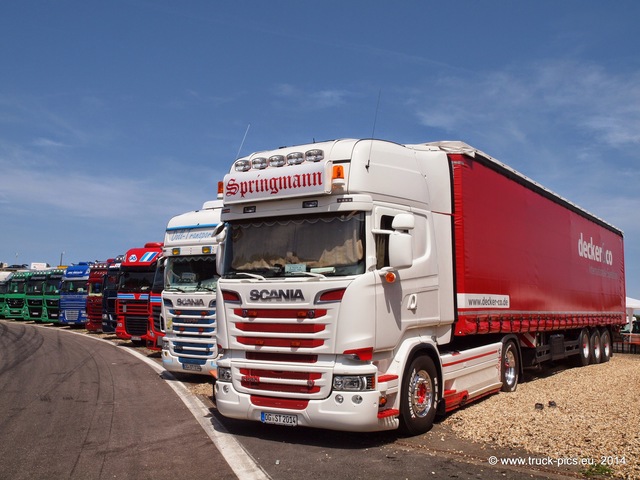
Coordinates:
[337,177]
[295,158]
[242,165]
[314,155]
[259,163]
[277,161]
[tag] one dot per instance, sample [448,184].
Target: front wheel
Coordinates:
[419,396]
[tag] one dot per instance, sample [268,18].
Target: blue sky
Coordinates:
[116,116]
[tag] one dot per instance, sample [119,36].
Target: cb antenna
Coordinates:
[373,130]
[243,139]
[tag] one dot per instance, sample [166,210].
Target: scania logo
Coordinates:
[278,295]
[190,302]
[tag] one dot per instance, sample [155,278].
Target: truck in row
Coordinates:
[367,285]
[364,285]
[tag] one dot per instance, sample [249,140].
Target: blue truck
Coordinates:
[73,294]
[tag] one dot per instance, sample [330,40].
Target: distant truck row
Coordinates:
[124,295]
[365,285]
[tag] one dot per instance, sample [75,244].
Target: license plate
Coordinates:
[279,419]
[136,339]
[192,367]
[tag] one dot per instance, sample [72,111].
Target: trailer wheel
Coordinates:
[584,348]
[606,347]
[509,367]
[596,350]
[419,396]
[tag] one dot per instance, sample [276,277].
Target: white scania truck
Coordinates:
[368,285]
[189,295]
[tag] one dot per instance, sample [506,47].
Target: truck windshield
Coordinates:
[191,273]
[95,288]
[52,285]
[17,286]
[35,287]
[134,280]
[73,286]
[330,245]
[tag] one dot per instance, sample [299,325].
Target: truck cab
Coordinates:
[135,286]
[5,276]
[189,296]
[35,288]
[94,298]
[73,294]
[110,295]
[15,298]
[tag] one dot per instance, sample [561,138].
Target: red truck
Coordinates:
[134,309]
[97,271]
[368,285]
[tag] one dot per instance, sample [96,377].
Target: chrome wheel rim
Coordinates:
[421,394]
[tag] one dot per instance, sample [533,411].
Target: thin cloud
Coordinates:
[45,142]
[319,99]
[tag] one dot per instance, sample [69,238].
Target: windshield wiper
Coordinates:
[252,275]
[308,274]
[172,287]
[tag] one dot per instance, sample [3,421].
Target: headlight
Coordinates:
[353,383]
[224,374]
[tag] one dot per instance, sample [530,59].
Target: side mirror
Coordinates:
[400,250]
[220,233]
[400,241]
[403,221]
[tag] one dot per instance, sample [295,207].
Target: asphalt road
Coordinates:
[74,407]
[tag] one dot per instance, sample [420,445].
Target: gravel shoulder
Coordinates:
[595,421]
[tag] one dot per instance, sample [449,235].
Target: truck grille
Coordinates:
[305,379]
[281,328]
[135,325]
[188,352]
[94,309]
[15,302]
[293,342]
[194,334]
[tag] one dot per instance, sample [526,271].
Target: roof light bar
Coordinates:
[295,158]
[277,161]
[242,165]
[314,155]
[259,163]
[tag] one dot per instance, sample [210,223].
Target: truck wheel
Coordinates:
[605,343]
[596,350]
[509,367]
[419,396]
[584,349]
